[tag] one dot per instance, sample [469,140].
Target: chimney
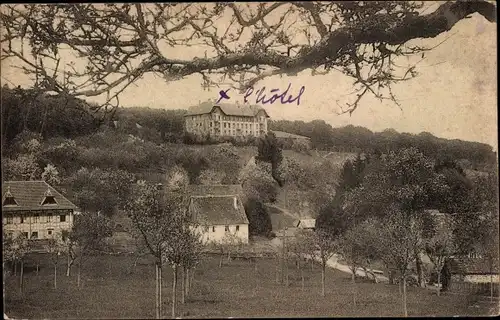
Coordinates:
[235,203]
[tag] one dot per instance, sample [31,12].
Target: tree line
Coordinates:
[473,155]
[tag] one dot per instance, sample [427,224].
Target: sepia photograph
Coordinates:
[201,160]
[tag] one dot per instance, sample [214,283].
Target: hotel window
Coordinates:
[226,228]
[49,217]
[62,218]
[237,228]
[22,219]
[213,229]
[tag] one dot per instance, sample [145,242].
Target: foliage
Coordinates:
[359,245]
[51,175]
[404,178]
[270,150]
[440,244]
[15,248]
[258,217]
[193,162]
[23,167]
[101,190]
[355,139]
[89,231]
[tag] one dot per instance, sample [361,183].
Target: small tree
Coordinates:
[440,245]
[400,236]
[88,233]
[54,247]
[325,246]
[15,249]
[358,248]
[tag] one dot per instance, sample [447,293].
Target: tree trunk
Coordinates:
[68,266]
[157,281]
[174,290]
[192,278]
[353,278]
[277,271]
[228,256]
[286,273]
[439,283]
[79,274]
[160,289]
[302,278]
[55,276]
[21,280]
[323,270]
[15,268]
[37,268]
[221,257]
[420,270]
[183,285]
[188,282]
[404,298]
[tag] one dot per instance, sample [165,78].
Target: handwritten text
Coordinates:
[261,96]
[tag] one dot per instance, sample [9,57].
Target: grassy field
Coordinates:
[235,290]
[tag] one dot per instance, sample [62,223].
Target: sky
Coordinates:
[454,96]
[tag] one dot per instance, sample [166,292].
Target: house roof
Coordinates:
[29,195]
[217,210]
[243,110]
[306,223]
[215,190]
[286,135]
[468,266]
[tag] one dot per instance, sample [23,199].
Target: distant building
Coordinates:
[219,120]
[306,224]
[35,209]
[218,210]
[474,268]
[286,135]
[218,216]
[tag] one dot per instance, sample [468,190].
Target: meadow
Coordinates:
[113,288]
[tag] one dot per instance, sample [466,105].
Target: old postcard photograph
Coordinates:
[309,159]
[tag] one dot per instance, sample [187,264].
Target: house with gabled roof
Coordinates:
[35,209]
[224,119]
[218,210]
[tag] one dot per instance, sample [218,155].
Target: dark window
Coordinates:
[22,219]
[213,229]
[49,232]
[25,234]
[35,217]
[49,217]
[34,235]
[62,218]
[9,219]
[49,200]
[10,201]
[237,228]
[227,228]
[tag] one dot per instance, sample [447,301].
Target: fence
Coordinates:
[474,288]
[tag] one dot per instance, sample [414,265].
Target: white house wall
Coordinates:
[40,225]
[218,232]
[480,278]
